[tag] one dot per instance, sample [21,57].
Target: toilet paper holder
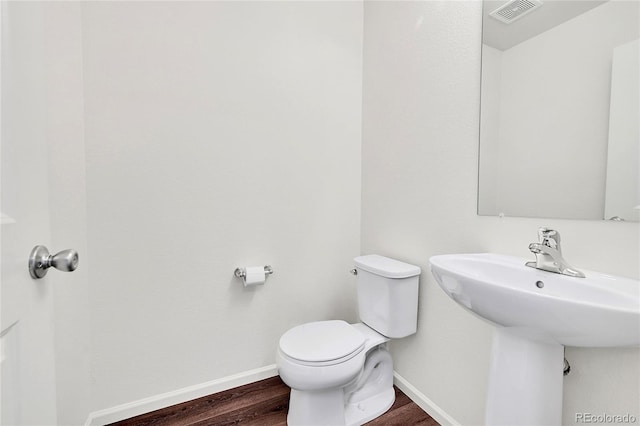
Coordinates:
[242,272]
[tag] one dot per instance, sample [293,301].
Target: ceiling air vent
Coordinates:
[515,9]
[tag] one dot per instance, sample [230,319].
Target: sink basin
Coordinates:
[597,311]
[537,313]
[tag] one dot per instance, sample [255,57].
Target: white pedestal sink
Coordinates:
[537,314]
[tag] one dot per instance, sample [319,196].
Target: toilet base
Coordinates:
[316,408]
[364,411]
[327,408]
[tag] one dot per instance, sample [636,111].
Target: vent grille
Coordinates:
[515,9]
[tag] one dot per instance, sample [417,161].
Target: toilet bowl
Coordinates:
[341,373]
[320,355]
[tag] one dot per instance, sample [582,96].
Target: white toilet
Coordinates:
[340,373]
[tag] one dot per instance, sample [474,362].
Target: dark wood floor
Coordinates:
[263,403]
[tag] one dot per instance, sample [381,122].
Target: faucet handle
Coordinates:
[549,237]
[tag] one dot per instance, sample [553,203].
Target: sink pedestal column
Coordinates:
[525,380]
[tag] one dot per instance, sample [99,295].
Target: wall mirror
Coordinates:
[559,126]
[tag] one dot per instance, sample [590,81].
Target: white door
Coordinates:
[28,390]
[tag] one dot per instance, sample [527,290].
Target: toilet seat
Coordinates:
[322,343]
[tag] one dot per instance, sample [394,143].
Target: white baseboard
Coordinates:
[142,406]
[430,407]
[146,405]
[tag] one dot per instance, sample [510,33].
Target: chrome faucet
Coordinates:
[549,255]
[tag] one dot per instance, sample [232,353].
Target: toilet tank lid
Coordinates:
[386,267]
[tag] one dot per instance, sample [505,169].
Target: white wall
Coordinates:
[420,152]
[218,134]
[554,116]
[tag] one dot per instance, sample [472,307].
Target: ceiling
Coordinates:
[552,13]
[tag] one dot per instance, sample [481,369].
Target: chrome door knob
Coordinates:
[66,260]
[40,261]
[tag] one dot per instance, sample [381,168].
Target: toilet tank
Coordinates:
[388,295]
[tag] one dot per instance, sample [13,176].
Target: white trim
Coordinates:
[146,405]
[431,408]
